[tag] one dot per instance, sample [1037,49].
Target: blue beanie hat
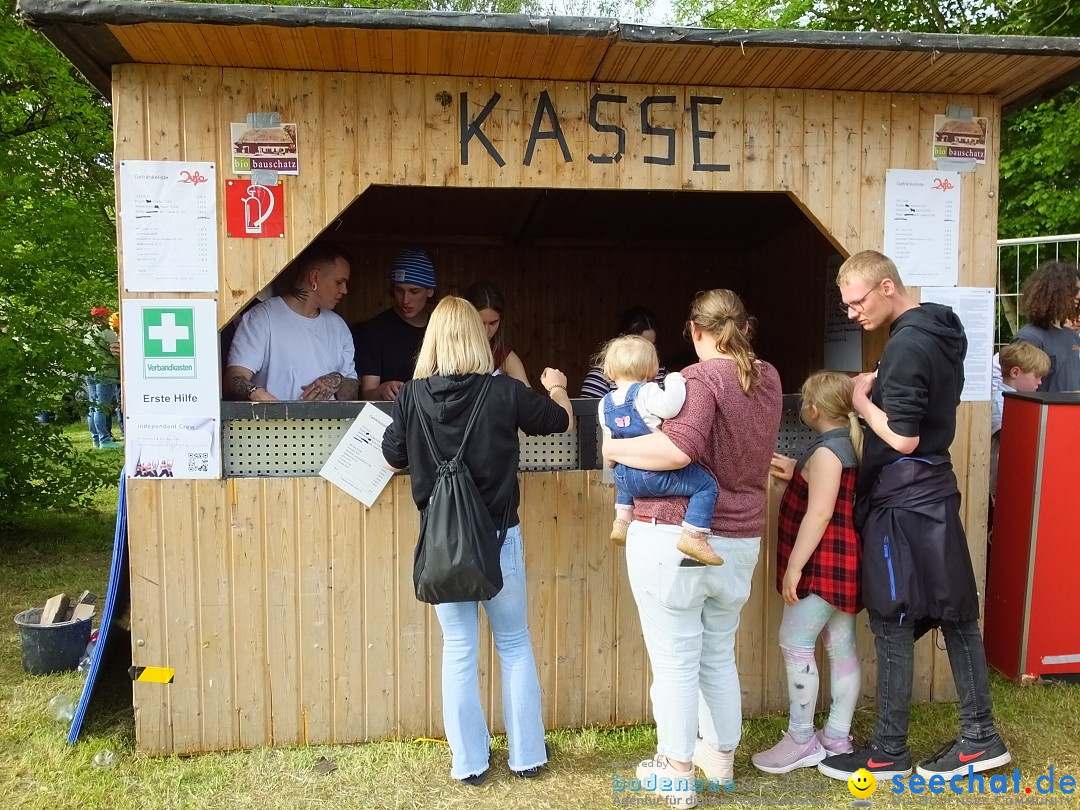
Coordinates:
[413,267]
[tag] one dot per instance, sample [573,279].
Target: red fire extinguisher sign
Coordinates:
[253,211]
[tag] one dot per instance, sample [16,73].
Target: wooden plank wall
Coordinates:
[829,150]
[287,610]
[258,590]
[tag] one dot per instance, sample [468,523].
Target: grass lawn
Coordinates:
[69,552]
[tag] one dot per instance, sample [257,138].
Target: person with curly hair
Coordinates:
[1049,298]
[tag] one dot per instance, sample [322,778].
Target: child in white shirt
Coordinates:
[636,408]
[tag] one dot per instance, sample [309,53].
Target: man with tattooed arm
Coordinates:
[294,346]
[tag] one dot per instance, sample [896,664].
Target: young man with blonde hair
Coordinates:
[1023,367]
[917,572]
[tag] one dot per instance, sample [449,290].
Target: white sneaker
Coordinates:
[659,776]
[719,766]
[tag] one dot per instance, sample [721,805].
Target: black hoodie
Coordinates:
[918,385]
[493,449]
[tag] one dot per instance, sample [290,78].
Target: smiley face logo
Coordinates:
[862,784]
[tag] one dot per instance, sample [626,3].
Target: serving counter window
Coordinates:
[567,263]
[287,439]
[294,439]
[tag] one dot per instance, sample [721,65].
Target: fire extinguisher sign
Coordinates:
[253,211]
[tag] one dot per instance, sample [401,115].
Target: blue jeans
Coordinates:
[102,396]
[463,714]
[895,645]
[689,615]
[691,480]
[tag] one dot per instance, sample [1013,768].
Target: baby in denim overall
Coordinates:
[636,408]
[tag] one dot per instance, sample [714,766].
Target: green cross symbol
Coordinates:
[169,332]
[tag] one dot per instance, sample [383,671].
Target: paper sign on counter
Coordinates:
[357,464]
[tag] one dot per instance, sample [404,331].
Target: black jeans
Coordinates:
[895,644]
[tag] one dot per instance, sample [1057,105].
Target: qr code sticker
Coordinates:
[198,462]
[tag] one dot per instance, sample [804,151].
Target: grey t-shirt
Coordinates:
[838,440]
[1063,346]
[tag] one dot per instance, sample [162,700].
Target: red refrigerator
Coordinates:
[1032,622]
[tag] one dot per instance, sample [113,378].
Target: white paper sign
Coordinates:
[357,464]
[180,447]
[168,226]
[922,223]
[975,308]
[843,336]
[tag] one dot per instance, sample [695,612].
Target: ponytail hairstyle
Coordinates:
[722,315]
[830,392]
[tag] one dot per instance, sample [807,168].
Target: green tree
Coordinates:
[57,259]
[963,16]
[1040,145]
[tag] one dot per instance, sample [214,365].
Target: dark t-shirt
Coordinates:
[1063,346]
[386,347]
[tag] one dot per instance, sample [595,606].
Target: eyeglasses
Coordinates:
[860,305]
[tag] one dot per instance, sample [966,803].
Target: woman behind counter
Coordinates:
[689,611]
[489,302]
[635,321]
[454,358]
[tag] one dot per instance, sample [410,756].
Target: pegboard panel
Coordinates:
[259,448]
[794,435]
[255,448]
[559,451]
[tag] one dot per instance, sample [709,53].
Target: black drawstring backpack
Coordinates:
[457,556]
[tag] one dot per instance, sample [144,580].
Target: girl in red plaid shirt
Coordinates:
[817,573]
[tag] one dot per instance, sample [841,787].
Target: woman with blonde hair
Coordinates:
[453,365]
[689,612]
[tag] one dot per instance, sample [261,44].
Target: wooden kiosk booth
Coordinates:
[583,166]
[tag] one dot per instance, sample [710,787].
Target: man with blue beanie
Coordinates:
[387,345]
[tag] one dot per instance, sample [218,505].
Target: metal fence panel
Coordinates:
[1017,259]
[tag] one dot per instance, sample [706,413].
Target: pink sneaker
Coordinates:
[787,755]
[834,747]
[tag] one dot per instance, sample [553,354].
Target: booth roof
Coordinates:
[97,34]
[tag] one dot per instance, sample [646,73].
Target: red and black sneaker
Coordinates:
[872,757]
[957,756]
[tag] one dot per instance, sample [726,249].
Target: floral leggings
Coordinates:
[799,630]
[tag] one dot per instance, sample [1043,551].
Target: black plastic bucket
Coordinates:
[51,647]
